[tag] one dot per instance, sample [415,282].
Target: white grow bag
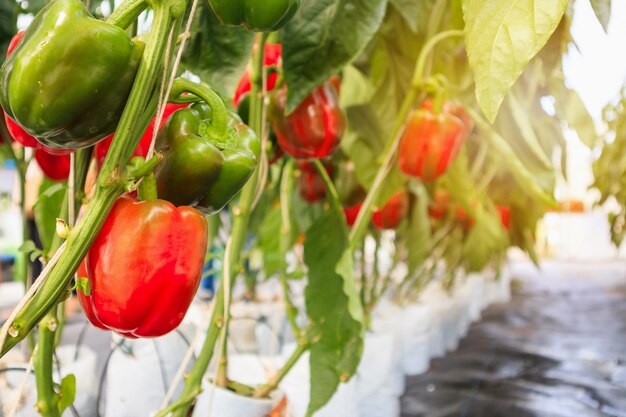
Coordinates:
[416,323]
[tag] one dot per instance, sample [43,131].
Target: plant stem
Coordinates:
[237,238]
[265,390]
[110,182]
[332,196]
[219,113]
[127,13]
[286,189]
[393,142]
[47,398]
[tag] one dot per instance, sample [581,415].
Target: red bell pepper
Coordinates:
[505,216]
[439,208]
[310,183]
[144,267]
[102,147]
[273,57]
[431,141]
[55,167]
[392,213]
[314,128]
[352,213]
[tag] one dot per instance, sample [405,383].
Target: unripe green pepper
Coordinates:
[68,80]
[259,16]
[209,156]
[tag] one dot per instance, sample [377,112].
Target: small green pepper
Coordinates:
[259,16]
[68,80]
[209,153]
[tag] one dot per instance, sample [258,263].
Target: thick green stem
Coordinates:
[265,390]
[219,113]
[286,189]
[126,13]
[237,238]
[110,182]
[47,398]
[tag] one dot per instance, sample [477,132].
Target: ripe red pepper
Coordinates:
[505,216]
[314,128]
[440,206]
[431,141]
[392,213]
[55,167]
[457,110]
[352,213]
[144,267]
[310,183]
[273,57]
[102,148]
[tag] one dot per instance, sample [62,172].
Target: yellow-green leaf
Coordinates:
[501,37]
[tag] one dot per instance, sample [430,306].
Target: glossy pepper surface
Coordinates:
[204,167]
[67,81]
[55,167]
[351,213]
[102,148]
[257,15]
[144,267]
[272,58]
[310,183]
[430,142]
[393,212]
[314,128]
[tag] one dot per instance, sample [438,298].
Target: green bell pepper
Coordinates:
[209,152]
[68,80]
[265,16]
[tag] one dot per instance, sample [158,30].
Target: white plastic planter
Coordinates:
[83,368]
[387,318]
[297,386]
[140,373]
[416,322]
[376,394]
[219,402]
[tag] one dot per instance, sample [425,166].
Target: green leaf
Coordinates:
[216,53]
[501,38]
[31,250]
[324,37]
[332,304]
[520,116]
[602,9]
[67,392]
[7,25]
[410,11]
[570,107]
[47,209]
[485,240]
[355,88]
[82,285]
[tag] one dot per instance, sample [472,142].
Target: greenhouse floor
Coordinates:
[557,349]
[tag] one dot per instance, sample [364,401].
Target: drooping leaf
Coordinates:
[501,37]
[410,11]
[332,304]
[47,209]
[325,36]
[67,392]
[570,107]
[216,53]
[419,233]
[269,241]
[486,238]
[602,9]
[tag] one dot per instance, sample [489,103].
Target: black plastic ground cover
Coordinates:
[558,349]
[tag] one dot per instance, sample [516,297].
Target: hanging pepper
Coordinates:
[272,58]
[265,16]
[102,148]
[69,77]
[348,187]
[440,206]
[310,183]
[55,167]
[144,267]
[351,213]
[314,128]
[209,152]
[505,216]
[431,141]
[393,212]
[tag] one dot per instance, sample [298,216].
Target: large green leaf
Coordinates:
[332,304]
[216,53]
[602,9]
[419,234]
[570,107]
[325,36]
[501,37]
[410,11]
[486,238]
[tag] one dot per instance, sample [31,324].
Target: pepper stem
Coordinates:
[219,113]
